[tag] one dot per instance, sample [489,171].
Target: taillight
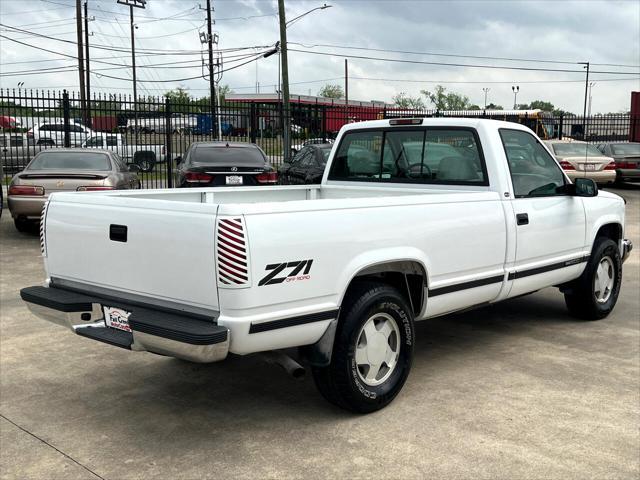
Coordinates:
[91,188]
[26,190]
[567,166]
[197,177]
[627,165]
[610,166]
[270,177]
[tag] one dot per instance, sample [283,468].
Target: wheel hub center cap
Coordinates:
[377,349]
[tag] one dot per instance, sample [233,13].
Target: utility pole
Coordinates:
[212,87]
[88,69]
[285,82]
[83,104]
[346,88]
[485,90]
[591,84]
[586,90]
[131,4]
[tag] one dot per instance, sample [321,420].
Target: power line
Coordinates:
[480,57]
[465,65]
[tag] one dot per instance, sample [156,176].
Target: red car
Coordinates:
[8,122]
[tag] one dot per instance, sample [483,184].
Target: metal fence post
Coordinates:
[168,142]
[561,128]
[253,123]
[65,118]
[324,122]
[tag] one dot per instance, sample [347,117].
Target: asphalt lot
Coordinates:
[517,390]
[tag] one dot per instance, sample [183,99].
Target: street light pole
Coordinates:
[83,104]
[586,89]
[591,84]
[515,89]
[485,90]
[212,88]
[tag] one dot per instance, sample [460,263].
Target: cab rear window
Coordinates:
[449,156]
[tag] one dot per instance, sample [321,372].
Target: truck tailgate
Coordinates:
[155,253]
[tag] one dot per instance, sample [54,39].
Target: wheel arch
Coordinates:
[609,228]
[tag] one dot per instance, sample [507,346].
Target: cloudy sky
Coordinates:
[418,35]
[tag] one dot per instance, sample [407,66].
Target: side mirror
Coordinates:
[134,168]
[585,187]
[178,160]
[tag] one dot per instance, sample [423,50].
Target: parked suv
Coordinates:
[52,133]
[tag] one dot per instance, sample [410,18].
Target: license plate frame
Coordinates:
[116,318]
[589,167]
[234,180]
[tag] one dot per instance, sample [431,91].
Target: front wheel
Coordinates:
[594,294]
[373,350]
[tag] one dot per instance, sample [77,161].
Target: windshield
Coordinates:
[71,161]
[626,149]
[577,149]
[228,155]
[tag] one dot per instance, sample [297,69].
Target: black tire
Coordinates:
[581,296]
[145,160]
[22,225]
[342,382]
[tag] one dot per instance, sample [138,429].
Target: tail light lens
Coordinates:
[197,177]
[627,165]
[610,166]
[32,190]
[269,177]
[91,188]
[567,166]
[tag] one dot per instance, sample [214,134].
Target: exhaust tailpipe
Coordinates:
[277,357]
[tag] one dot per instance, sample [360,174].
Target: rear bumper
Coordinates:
[628,174]
[166,333]
[603,176]
[26,206]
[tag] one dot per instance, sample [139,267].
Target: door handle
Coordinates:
[522,219]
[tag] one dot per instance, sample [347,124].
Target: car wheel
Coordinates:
[22,224]
[145,160]
[373,349]
[595,293]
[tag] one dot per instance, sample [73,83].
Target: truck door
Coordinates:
[549,223]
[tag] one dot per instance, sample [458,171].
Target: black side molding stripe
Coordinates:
[548,268]
[463,286]
[293,321]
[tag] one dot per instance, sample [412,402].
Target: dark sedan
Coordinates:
[307,166]
[224,164]
[627,158]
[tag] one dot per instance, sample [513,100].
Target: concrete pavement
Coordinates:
[517,390]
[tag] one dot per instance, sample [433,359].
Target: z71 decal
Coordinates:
[286,272]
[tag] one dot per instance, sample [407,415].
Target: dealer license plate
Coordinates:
[116,318]
[234,180]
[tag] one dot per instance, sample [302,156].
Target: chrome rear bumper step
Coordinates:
[157,331]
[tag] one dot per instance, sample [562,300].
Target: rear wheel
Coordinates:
[373,350]
[22,224]
[145,160]
[595,293]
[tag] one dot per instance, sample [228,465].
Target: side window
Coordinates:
[112,141]
[120,163]
[76,128]
[94,142]
[45,128]
[308,160]
[533,171]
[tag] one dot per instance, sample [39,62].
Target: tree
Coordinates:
[493,106]
[402,100]
[447,101]
[331,91]
[537,105]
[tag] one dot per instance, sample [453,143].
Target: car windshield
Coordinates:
[228,155]
[577,149]
[626,149]
[71,161]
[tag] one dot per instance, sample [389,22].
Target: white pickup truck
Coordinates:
[414,218]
